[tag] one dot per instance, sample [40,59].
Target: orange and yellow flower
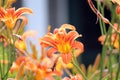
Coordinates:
[62,41]
[114,37]
[35,66]
[9,16]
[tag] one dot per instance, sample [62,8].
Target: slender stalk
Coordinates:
[110,57]
[3,2]
[1,68]
[110,66]
[7,55]
[102,24]
[118,71]
[102,60]
[3,57]
[104,49]
[103,32]
[79,70]
[75,63]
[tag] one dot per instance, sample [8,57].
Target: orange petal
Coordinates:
[67,26]
[77,77]
[43,44]
[2,12]
[102,38]
[10,11]
[60,36]
[29,33]
[50,51]
[23,10]
[72,35]
[55,30]
[48,40]
[79,46]
[66,57]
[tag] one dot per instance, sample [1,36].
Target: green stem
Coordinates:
[101,23]
[3,2]
[11,52]
[3,65]
[110,53]
[79,70]
[118,71]
[110,64]
[104,49]
[102,60]
[106,77]
[76,65]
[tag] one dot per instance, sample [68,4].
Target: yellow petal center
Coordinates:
[64,47]
[10,21]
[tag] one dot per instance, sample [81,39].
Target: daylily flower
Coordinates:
[114,37]
[63,42]
[36,67]
[9,16]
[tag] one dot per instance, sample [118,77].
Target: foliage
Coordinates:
[59,49]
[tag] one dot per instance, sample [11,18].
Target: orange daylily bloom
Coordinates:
[36,67]
[9,16]
[62,41]
[114,37]
[114,40]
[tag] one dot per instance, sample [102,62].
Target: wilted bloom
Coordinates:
[9,16]
[62,41]
[20,44]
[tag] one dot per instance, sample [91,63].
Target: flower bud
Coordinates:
[118,9]
[20,45]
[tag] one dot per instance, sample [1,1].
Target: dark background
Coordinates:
[84,19]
